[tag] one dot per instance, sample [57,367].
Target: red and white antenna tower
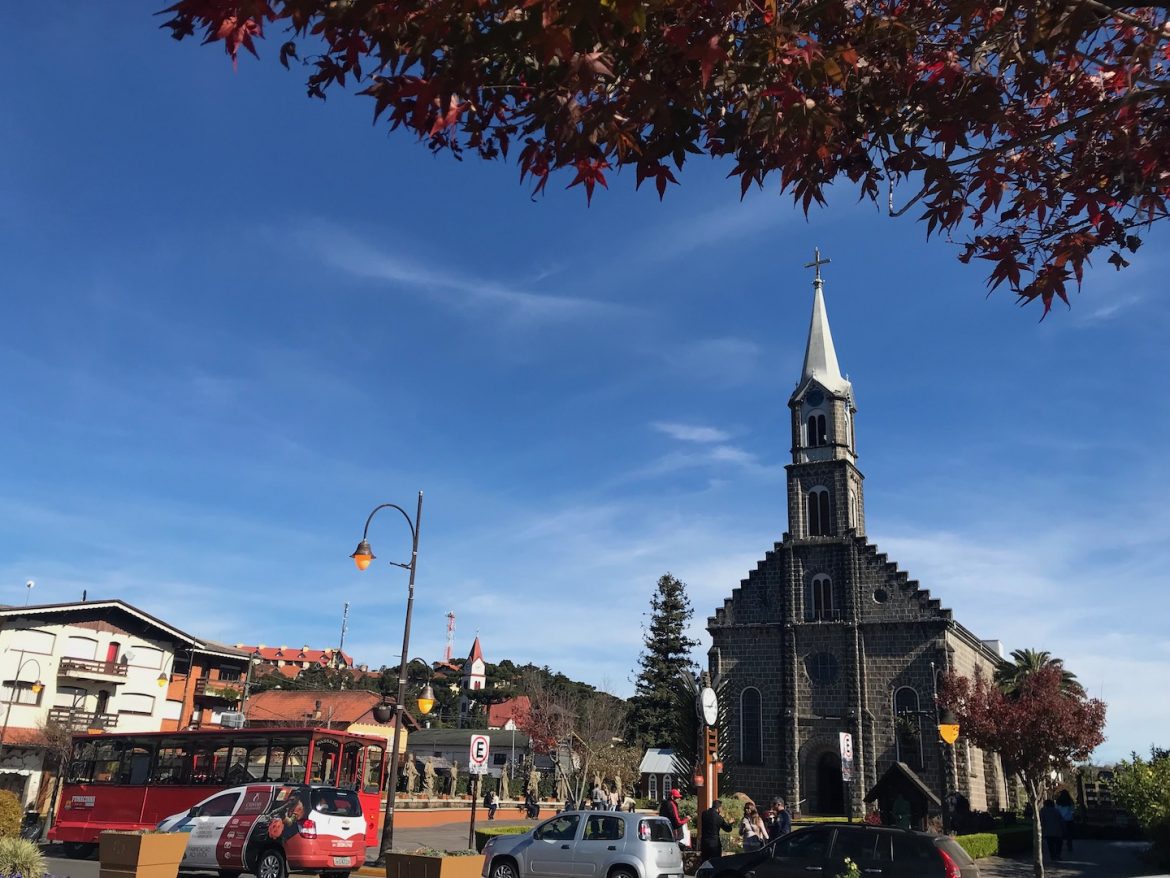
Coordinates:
[450,636]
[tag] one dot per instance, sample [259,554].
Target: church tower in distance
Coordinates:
[827,638]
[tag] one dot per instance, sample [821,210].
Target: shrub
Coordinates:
[979,844]
[20,857]
[482,835]
[10,815]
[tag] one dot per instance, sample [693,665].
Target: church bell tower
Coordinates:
[824,485]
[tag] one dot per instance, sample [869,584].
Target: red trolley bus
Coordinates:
[132,781]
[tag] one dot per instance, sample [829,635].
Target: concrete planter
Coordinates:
[424,866]
[141,854]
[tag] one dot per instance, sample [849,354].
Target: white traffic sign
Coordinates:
[478,753]
[846,745]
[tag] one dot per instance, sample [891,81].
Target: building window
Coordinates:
[821,603]
[229,675]
[819,524]
[19,692]
[653,786]
[667,785]
[821,668]
[750,727]
[817,431]
[908,727]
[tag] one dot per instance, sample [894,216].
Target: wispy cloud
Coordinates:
[722,362]
[446,285]
[691,433]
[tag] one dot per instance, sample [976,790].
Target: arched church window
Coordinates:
[751,732]
[822,597]
[908,727]
[819,523]
[817,430]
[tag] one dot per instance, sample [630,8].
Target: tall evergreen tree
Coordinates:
[667,652]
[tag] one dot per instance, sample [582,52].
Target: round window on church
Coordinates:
[880,595]
[821,668]
[815,398]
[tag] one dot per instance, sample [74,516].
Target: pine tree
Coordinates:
[666,654]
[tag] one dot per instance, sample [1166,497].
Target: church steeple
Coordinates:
[824,485]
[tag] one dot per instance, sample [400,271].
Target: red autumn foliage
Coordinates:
[1038,128]
[1042,727]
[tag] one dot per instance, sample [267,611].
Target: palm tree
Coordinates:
[1010,676]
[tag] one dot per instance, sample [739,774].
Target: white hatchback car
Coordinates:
[272,829]
[587,844]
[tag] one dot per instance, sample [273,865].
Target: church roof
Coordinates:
[476,652]
[820,357]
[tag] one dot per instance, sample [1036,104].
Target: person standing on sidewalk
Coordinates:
[1052,828]
[711,823]
[493,802]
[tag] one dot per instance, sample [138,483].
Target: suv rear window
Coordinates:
[955,851]
[655,829]
[337,803]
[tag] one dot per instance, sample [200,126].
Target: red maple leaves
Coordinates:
[1039,127]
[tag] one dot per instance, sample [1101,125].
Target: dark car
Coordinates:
[822,850]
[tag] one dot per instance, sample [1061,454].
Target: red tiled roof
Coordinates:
[323,657]
[514,708]
[18,737]
[316,705]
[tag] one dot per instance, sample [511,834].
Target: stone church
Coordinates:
[827,635]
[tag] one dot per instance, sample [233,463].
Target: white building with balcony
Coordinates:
[100,666]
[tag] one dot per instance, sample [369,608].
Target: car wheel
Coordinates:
[504,868]
[271,865]
[79,850]
[622,872]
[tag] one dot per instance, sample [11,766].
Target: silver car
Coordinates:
[587,844]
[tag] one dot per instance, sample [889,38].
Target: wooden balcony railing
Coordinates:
[80,667]
[72,718]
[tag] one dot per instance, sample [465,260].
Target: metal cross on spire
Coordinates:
[817,263]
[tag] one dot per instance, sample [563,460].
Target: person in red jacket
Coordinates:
[669,810]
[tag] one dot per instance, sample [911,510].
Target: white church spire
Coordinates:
[820,357]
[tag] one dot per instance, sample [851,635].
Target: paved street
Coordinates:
[1093,859]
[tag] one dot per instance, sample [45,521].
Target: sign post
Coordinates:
[477,766]
[846,745]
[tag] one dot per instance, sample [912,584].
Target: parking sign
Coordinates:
[477,756]
[846,742]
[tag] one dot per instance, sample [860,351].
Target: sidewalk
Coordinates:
[1091,859]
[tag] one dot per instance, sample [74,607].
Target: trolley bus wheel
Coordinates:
[79,850]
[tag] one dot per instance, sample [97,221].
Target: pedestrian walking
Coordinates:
[1052,828]
[711,823]
[599,799]
[1064,804]
[493,802]
[669,810]
[751,829]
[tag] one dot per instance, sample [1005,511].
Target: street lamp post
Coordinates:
[362,556]
[36,688]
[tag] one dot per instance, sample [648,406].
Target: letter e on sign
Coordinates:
[480,746]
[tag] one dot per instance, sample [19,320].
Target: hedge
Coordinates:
[979,844]
[1015,840]
[482,835]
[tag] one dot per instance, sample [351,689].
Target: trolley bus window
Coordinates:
[173,763]
[276,754]
[296,763]
[350,759]
[237,767]
[203,767]
[373,769]
[257,759]
[324,760]
[106,759]
[136,759]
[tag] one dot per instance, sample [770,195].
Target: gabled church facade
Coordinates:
[827,635]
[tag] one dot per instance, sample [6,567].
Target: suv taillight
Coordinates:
[950,867]
[643,830]
[309,830]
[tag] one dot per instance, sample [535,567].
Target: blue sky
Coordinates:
[235,319]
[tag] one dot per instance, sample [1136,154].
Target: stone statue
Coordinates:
[596,779]
[504,781]
[617,785]
[454,778]
[534,782]
[429,779]
[411,774]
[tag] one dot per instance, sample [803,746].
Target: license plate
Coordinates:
[343,861]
